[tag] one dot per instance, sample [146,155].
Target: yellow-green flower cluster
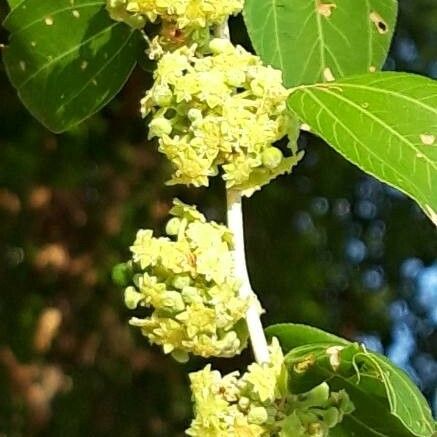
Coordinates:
[183,13]
[188,281]
[238,406]
[222,110]
[257,404]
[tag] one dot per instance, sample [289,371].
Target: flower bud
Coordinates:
[194,114]
[271,157]
[122,274]
[331,417]
[173,225]
[162,95]
[180,356]
[132,298]
[136,279]
[315,429]
[191,295]
[235,78]
[257,415]
[159,127]
[136,21]
[220,45]
[172,301]
[244,403]
[181,282]
[231,341]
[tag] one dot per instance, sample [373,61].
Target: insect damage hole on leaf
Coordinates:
[427,139]
[327,74]
[333,353]
[325,9]
[381,25]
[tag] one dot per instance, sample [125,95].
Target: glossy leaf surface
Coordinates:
[385,123]
[67,59]
[314,40]
[372,382]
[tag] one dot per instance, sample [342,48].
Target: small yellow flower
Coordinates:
[259,403]
[187,280]
[145,250]
[259,377]
[190,14]
[225,110]
[225,406]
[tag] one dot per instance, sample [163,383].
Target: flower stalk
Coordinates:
[254,325]
[236,225]
[222,30]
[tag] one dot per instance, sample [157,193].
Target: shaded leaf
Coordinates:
[311,364]
[67,59]
[370,418]
[373,384]
[318,40]
[406,401]
[291,335]
[385,123]
[14,3]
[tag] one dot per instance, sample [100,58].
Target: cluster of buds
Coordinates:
[258,403]
[221,110]
[187,280]
[182,21]
[315,413]
[183,13]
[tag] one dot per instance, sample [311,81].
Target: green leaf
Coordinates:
[318,40]
[371,417]
[406,401]
[310,365]
[13,3]
[292,335]
[373,384]
[385,123]
[67,58]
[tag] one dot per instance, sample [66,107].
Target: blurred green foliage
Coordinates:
[325,246]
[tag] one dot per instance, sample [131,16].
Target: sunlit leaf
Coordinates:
[385,123]
[291,335]
[319,40]
[67,59]
[14,3]
[372,382]
[405,399]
